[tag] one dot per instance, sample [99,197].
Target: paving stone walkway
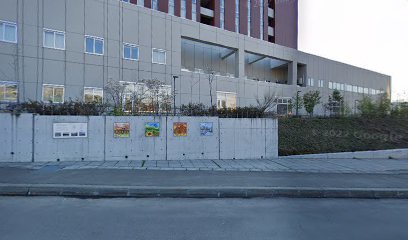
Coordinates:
[383,166]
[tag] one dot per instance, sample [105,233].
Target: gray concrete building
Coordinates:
[70,49]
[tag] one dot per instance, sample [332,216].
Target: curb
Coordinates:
[92,191]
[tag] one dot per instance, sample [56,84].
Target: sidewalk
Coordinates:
[345,178]
[284,164]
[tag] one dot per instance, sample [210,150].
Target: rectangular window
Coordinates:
[8,91]
[140,3]
[222,14]
[183,11]
[282,107]
[54,39]
[155,5]
[237,16]
[226,100]
[310,82]
[194,10]
[8,32]
[171,7]
[94,45]
[93,95]
[365,90]
[360,90]
[261,9]
[53,93]
[355,89]
[330,85]
[249,17]
[158,56]
[321,83]
[130,52]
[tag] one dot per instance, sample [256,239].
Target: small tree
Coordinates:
[400,109]
[116,91]
[383,105]
[366,106]
[211,77]
[268,103]
[335,104]
[296,103]
[310,100]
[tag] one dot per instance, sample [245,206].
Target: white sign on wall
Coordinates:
[70,130]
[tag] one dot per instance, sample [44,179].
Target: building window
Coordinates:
[194,10]
[158,56]
[54,39]
[355,89]
[330,85]
[310,82]
[226,100]
[94,45]
[183,13]
[126,1]
[261,9]
[222,14]
[360,90]
[140,3]
[155,5]
[237,16]
[93,95]
[130,52]
[321,83]
[53,93]
[249,17]
[8,32]
[282,107]
[8,91]
[171,7]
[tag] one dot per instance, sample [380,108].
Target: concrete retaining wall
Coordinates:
[28,137]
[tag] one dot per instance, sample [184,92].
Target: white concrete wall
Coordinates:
[16,137]
[30,138]
[248,138]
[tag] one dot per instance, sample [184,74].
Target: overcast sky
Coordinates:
[372,34]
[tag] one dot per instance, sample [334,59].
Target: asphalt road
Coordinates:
[195,219]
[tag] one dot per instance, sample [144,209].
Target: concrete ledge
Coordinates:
[90,191]
[380,154]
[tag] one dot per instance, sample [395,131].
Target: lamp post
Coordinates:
[297,102]
[174,95]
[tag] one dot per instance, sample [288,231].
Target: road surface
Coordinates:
[53,218]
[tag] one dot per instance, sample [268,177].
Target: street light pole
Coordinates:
[174,95]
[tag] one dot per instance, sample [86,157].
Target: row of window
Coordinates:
[56,93]
[353,88]
[344,87]
[93,45]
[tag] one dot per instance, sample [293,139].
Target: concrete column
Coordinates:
[240,63]
[292,74]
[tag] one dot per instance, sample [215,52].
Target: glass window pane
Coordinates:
[48,94]
[60,40]
[98,98]
[48,39]
[126,52]
[155,57]
[11,93]
[58,94]
[135,53]
[88,98]
[10,33]
[98,46]
[1,31]
[2,92]
[89,45]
